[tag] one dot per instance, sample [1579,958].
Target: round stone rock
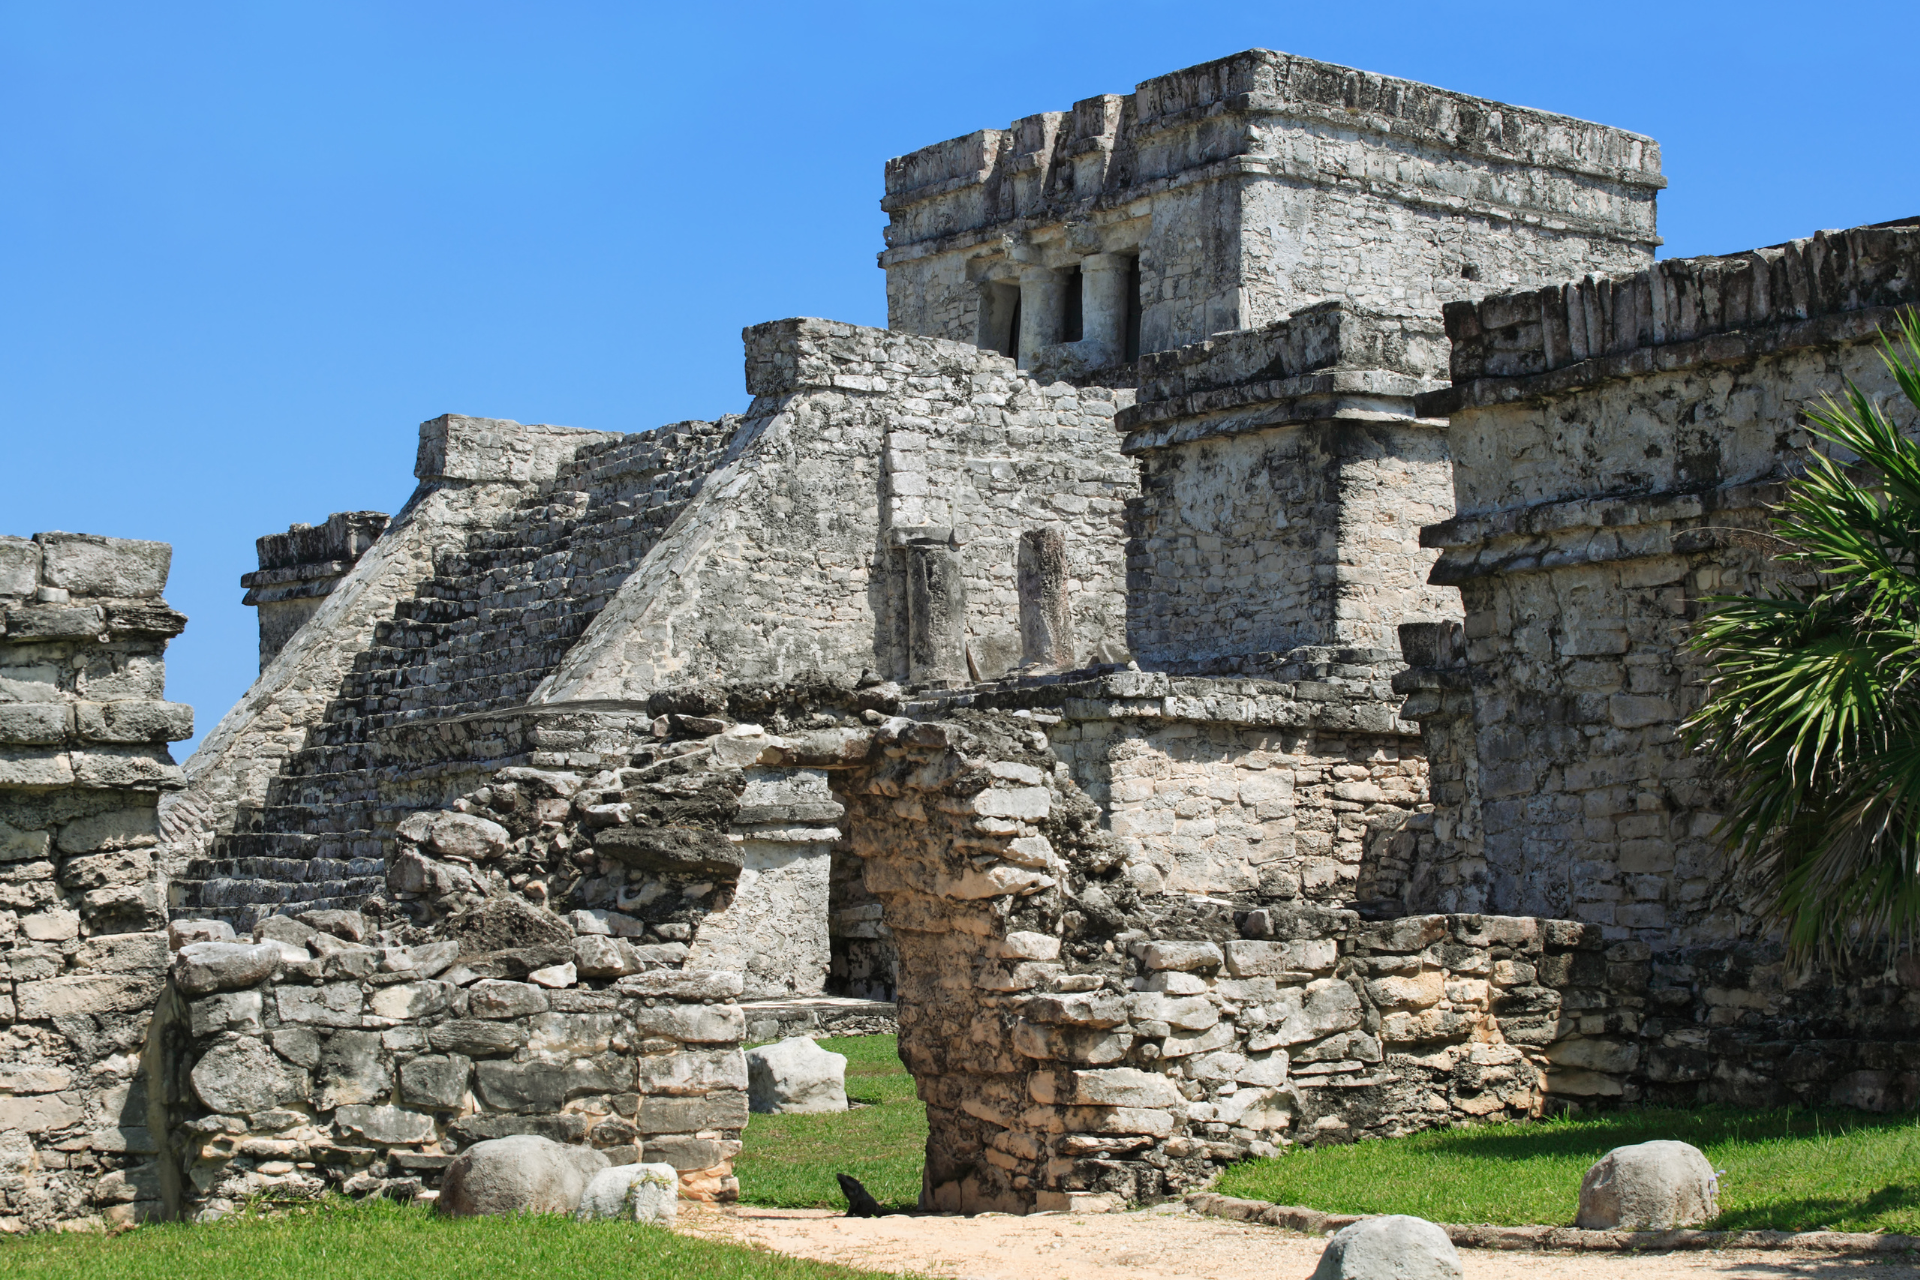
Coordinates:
[1395,1247]
[633,1193]
[521,1174]
[1650,1186]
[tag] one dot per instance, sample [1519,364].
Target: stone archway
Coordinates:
[1078,1045]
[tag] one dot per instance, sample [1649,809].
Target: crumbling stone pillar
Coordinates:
[936,614]
[1042,307]
[299,568]
[1046,621]
[1103,322]
[83,952]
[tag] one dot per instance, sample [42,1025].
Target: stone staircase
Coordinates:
[495,618]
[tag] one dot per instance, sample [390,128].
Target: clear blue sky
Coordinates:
[249,247]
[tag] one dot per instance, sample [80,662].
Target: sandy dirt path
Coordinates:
[1171,1244]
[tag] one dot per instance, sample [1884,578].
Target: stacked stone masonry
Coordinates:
[1616,444]
[1237,192]
[84,728]
[300,567]
[1190,750]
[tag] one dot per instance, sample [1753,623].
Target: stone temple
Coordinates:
[1207,674]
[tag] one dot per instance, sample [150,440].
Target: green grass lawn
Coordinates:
[380,1240]
[790,1160]
[1785,1170]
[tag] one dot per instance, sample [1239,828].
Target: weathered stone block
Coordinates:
[683,984]
[407,1000]
[240,1075]
[719,1110]
[352,1070]
[234,1011]
[85,994]
[336,1004]
[1124,1087]
[89,565]
[691,1071]
[1154,1123]
[544,1085]
[35,722]
[435,1080]
[223,966]
[384,1126]
[1184,956]
[39,1113]
[692,1024]
[492,998]
[19,566]
[1250,959]
[475,1038]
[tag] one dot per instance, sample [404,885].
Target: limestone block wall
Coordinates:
[869,452]
[338,1059]
[1285,477]
[1616,443]
[1253,186]
[1600,497]
[1296,780]
[84,727]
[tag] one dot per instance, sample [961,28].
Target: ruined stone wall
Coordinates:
[84,727]
[1295,780]
[1256,185]
[341,1059]
[1078,1042]
[1616,444]
[1284,481]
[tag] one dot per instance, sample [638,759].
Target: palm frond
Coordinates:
[1813,712]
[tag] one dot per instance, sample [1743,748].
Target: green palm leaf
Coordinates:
[1813,713]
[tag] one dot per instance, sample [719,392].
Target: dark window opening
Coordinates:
[1071,324]
[1000,318]
[1133,309]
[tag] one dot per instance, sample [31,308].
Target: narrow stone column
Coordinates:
[1041,308]
[1046,623]
[1104,307]
[936,614]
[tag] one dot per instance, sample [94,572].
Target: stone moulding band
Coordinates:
[1589,531]
[1474,1236]
[1120,206]
[1720,348]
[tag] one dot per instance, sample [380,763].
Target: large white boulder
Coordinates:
[521,1174]
[796,1075]
[634,1193]
[1395,1247]
[1650,1186]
